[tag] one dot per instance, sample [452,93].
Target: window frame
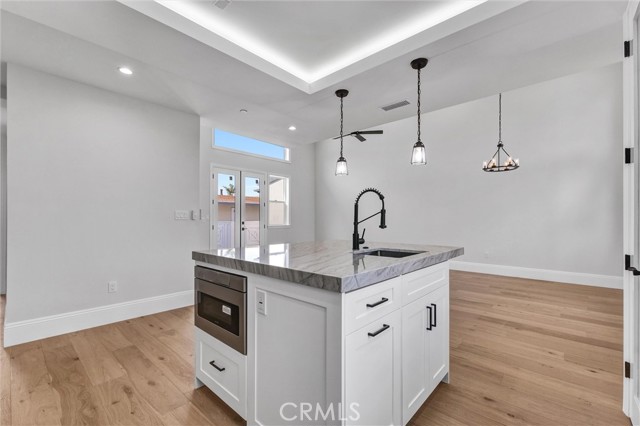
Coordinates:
[290,216]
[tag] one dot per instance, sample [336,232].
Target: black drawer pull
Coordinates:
[375,333]
[430,315]
[435,315]
[380,302]
[213,364]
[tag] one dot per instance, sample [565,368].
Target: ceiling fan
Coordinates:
[358,134]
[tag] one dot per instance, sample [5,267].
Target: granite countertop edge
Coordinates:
[344,284]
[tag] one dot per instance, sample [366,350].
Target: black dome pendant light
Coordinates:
[495,165]
[341,164]
[419,156]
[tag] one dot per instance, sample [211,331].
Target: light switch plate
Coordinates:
[182,215]
[261,302]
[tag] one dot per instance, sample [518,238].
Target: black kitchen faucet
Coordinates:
[357,240]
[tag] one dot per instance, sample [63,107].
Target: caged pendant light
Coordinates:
[341,164]
[419,155]
[496,164]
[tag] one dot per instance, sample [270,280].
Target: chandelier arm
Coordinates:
[505,151]
[493,156]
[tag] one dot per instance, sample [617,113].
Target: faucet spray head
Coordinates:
[383,218]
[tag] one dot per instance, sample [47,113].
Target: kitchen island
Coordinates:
[333,336]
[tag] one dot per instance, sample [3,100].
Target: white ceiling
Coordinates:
[313,44]
[524,44]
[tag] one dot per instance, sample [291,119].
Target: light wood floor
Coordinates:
[523,352]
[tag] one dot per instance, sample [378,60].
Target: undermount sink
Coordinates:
[391,253]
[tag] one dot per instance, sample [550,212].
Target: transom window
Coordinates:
[247,145]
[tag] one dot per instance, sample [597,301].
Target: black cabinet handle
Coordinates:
[430,315]
[379,302]
[435,315]
[375,333]
[213,364]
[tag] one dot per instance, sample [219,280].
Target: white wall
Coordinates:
[300,171]
[561,211]
[93,180]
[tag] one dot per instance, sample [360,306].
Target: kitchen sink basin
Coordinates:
[391,253]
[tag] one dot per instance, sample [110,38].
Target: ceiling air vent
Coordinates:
[221,3]
[395,105]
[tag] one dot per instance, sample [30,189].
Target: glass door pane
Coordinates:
[252,209]
[225,215]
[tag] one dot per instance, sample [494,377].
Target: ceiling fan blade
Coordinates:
[359,136]
[370,132]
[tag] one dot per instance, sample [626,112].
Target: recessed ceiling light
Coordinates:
[244,111]
[292,128]
[125,70]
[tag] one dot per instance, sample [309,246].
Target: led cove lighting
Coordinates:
[218,25]
[125,70]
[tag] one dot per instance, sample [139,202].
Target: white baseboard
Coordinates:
[607,281]
[54,325]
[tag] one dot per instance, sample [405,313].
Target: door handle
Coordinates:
[375,333]
[380,302]
[430,323]
[213,364]
[435,315]
[628,267]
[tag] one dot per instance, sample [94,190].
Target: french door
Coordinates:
[238,208]
[631,179]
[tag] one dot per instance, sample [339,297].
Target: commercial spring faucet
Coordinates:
[357,240]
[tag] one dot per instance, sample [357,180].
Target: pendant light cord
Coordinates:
[419,92]
[341,125]
[500,119]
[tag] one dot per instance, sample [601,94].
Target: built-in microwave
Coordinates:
[220,306]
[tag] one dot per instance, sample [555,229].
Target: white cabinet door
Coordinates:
[438,336]
[415,357]
[373,373]
[425,348]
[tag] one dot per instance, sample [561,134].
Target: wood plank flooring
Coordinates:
[523,352]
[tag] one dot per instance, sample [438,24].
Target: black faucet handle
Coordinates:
[361,239]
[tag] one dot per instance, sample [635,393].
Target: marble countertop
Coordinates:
[329,265]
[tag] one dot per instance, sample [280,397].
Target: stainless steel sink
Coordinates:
[390,253]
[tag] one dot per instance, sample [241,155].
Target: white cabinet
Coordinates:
[415,356]
[425,348]
[223,370]
[315,357]
[438,337]
[373,372]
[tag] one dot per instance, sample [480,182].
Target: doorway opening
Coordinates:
[238,208]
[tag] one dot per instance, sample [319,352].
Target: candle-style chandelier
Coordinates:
[496,164]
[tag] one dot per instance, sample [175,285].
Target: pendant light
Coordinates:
[419,156]
[496,164]
[341,164]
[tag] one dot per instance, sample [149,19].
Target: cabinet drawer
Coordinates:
[424,281]
[371,303]
[223,370]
